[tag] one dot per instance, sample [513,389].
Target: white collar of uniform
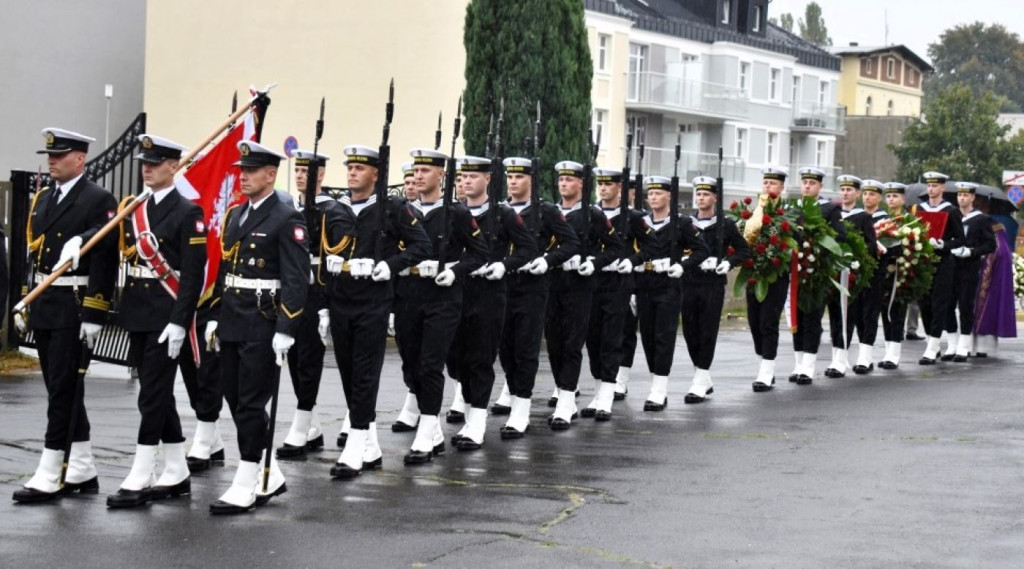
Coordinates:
[853,211]
[159,195]
[973,213]
[254,205]
[823,201]
[519,207]
[566,210]
[611,213]
[321,198]
[656,225]
[929,207]
[704,223]
[426,208]
[879,213]
[347,200]
[478,210]
[68,185]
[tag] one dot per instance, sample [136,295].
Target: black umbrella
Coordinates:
[998,201]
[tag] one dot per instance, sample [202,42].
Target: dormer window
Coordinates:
[726,11]
[758,13]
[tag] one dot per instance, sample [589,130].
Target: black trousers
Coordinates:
[160,421]
[520,341]
[935,304]
[807,337]
[604,337]
[869,305]
[203,383]
[248,375]
[427,329]
[565,329]
[841,339]
[359,332]
[893,319]
[59,356]
[965,290]
[306,358]
[476,342]
[764,318]
[630,326]
[658,313]
[701,315]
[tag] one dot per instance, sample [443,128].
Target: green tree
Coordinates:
[786,22]
[957,134]
[984,57]
[812,26]
[524,52]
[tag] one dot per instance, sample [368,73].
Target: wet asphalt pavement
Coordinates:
[920,467]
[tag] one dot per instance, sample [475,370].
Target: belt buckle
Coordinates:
[151,240]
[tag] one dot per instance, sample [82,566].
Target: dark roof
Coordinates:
[671,17]
[903,50]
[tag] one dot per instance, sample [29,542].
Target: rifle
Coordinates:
[719,200]
[312,172]
[638,199]
[585,201]
[381,188]
[449,188]
[495,189]
[624,198]
[673,224]
[535,147]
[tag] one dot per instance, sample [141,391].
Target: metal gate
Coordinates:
[115,169]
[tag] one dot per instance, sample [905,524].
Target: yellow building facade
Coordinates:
[881,81]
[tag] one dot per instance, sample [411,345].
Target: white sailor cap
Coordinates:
[59,141]
[427,157]
[359,154]
[608,175]
[895,188]
[935,178]
[473,164]
[155,149]
[657,183]
[811,173]
[305,157]
[705,183]
[966,187]
[408,170]
[254,155]
[872,186]
[569,168]
[848,180]
[516,165]
[774,173]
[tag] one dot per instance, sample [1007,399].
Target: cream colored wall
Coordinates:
[849,76]
[904,104]
[199,52]
[609,94]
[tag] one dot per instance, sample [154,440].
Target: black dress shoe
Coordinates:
[200,464]
[804,379]
[316,444]
[129,498]
[508,433]
[90,486]
[793,377]
[692,398]
[33,496]
[500,409]
[344,472]
[834,373]
[375,464]
[342,439]
[980,355]
[291,452]
[438,449]
[456,438]
[468,444]
[926,361]
[959,359]
[602,416]
[948,357]
[652,406]
[886,365]
[222,508]
[588,412]
[261,500]
[455,418]
[402,427]
[552,401]
[418,457]
[559,424]
[761,387]
[620,396]
[861,370]
[183,488]
[914,337]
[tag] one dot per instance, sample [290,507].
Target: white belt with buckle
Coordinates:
[63,281]
[235,281]
[139,272]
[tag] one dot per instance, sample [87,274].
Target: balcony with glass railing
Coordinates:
[657,91]
[662,162]
[810,116]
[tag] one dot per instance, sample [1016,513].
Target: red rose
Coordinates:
[786,226]
[910,237]
[760,248]
[747,200]
[749,263]
[780,211]
[745,214]
[751,281]
[853,277]
[784,246]
[734,205]
[776,262]
[774,239]
[730,251]
[767,219]
[805,263]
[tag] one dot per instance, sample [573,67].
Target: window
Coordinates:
[687,128]
[744,75]
[774,89]
[796,89]
[890,108]
[866,65]
[792,149]
[819,153]
[637,70]
[757,18]
[599,122]
[823,93]
[604,41]
[637,124]
[771,154]
[867,106]
[741,143]
[726,11]
[890,68]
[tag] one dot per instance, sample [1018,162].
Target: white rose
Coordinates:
[914,262]
[810,270]
[891,268]
[806,245]
[810,258]
[918,247]
[905,241]
[800,256]
[855,265]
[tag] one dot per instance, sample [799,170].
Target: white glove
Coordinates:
[538,266]
[89,332]
[324,327]
[382,272]
[71,252]
[612,267]
[632,304]
[625,266]
[709,264]
[882,250]
[427,269]
[481,272]
[391,324]
[174,335]
[675,271]
[961,252]
[360,268]
[21,323]
[639,268]
[212,343]
[723,267]
[280,344]
[586,268]
[446,278]
[661,265]
[495,271]
[334,264]
[572,264]
[937,243]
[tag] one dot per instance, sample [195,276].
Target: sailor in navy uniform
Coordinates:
[528,293]
[163,243]
[484,298]
[306,360]
[860,221]
[658,290]
[430,299]
[935,305]
[894,312]
[263,283]
[630,329]
[870,304]
[613,288]
[703,294]
[567,318]
[360,292]
[979,240]
[63,217]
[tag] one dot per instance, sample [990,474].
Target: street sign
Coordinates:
[1013,177]
[1016,194]
[291,144]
